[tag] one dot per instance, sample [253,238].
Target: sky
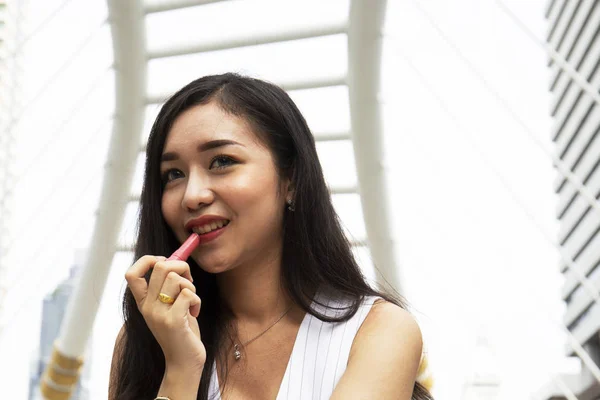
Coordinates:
[466,178]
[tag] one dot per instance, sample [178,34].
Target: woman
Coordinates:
[272,303]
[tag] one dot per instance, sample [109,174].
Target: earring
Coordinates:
[290,204]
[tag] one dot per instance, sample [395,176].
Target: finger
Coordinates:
[174,284]
[160,272]
[135,276]
[186,301]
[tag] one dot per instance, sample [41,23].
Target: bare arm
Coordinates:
[384,357]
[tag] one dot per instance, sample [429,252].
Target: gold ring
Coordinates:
[165,298]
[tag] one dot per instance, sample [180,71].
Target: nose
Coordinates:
[197,193]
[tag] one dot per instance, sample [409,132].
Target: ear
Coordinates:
[289,190]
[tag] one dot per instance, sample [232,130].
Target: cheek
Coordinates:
[257,199]
[169,210]
[251,191]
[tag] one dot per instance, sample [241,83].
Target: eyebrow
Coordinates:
[213,144]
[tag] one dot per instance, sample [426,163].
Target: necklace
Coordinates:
[236,347]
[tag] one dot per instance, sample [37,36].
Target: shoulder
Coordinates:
[384,357]
[391,326]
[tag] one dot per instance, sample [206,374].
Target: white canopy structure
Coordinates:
[132,54]
[469,139]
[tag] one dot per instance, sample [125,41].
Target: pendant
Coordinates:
[237,354]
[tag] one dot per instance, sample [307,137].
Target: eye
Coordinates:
[222,162]
[170,175]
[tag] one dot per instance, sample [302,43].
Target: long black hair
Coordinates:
[316,254]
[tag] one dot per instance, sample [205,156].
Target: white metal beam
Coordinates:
[309,83]
[332,136]
[364,69]
[156,6]
[128,37]
[249,40]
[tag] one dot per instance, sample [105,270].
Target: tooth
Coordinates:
[210,227]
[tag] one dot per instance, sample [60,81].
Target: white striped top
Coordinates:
[319,356]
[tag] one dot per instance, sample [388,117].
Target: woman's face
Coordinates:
[214,165]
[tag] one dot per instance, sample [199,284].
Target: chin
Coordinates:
[211,267]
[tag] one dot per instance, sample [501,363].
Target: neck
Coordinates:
[254,292]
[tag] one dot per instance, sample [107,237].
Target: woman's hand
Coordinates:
[174,326]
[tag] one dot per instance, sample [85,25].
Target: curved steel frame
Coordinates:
[129,49]
[364,77]
[128,35]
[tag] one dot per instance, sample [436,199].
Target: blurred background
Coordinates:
[490,115]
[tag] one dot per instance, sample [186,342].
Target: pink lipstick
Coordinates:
[186,248]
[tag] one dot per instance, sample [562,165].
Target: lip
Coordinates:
[203,220]
[212,235]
